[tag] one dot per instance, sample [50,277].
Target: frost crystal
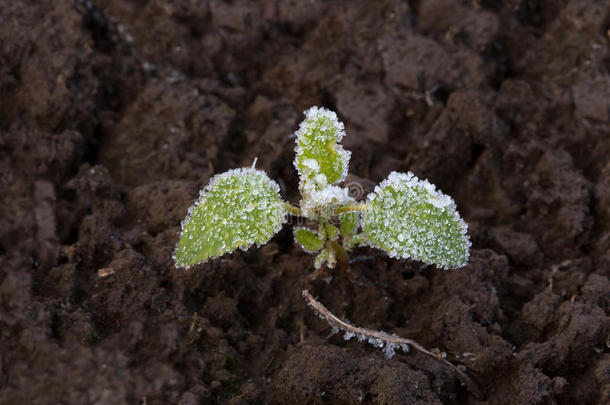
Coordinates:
[320,160]
[390,350]
[315,202]
[408,218]
[236,209]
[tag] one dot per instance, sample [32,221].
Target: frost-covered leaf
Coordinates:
[320,159]
[308,240]
[409,218]
[349,223]
[236,209]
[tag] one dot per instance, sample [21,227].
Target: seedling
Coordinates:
[405,217]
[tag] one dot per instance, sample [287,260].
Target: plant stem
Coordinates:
[350,208]
[340,253]
[293,210]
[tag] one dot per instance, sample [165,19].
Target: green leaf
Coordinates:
[332,233]
[349,223]
[237,209]
[320,159]
[409,218]
[308,240]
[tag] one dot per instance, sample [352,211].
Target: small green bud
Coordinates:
[349,223]
[332,232]
[308,240]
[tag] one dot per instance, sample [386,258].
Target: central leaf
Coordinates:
[320,159]
[237,209]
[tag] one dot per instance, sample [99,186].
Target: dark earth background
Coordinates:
[113,113]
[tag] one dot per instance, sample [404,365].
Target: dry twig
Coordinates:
[389,343]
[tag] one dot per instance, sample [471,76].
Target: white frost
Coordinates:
[330,132]
[230,210]
[315,201]
[409,218]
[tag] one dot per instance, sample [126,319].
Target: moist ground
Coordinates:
[114,113]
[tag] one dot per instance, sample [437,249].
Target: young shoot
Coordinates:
[405,217]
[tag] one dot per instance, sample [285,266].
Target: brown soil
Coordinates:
[113,113]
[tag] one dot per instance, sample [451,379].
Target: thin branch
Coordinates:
[379,339]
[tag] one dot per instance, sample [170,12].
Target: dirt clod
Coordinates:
[114,113]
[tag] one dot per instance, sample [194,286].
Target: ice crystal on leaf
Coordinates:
[237,209]
[320,159]
[409,218]
[322,202]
